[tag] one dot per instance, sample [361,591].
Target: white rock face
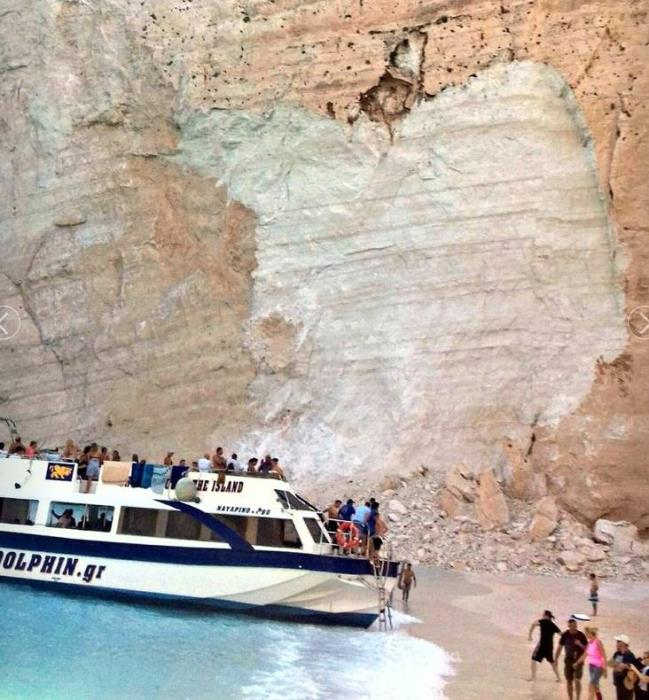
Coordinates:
[417,301]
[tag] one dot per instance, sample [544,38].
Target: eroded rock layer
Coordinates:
[361,234]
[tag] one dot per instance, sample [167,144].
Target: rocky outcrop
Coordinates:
[391,232]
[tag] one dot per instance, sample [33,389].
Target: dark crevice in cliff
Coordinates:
[401,83]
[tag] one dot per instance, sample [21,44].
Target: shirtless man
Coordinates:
[331,515]
[218,460]
[407,578]
[276,467]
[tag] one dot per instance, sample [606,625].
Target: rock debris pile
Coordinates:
[470,523]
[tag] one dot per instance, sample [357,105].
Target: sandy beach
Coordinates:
[484,619]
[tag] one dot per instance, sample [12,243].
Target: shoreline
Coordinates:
[482,621]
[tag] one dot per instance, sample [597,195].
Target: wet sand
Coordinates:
[483,621]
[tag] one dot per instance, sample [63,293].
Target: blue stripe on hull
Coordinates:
[195,556]
[273,612]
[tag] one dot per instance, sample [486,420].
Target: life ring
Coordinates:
[348,536]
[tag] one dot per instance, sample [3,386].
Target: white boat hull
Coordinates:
[278,592]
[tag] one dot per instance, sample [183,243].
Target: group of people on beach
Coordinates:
[585,650]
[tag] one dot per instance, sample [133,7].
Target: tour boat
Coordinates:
[230,541]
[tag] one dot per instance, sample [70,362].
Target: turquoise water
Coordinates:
[54,646]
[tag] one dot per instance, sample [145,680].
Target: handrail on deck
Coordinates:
[328,539]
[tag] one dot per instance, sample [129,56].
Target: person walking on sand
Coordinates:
[622,660]
[407,579]
[596,657]
[642,675]
[543,650]
[574,642]
[594,593]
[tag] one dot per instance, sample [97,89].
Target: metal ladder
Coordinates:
[384,600]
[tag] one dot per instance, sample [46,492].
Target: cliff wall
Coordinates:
[362,235]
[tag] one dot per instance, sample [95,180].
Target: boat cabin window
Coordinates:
[265,532]
[81,516]
[154,522]
[138,521]
[290,500]
[274,532]
[18,511]
[318,533]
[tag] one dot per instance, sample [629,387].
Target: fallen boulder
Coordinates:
[545,520]
[491,508]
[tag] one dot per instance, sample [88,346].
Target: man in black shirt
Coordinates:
[543,649]
[573,642]
[621,660]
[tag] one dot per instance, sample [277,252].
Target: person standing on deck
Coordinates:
[347,511]
[204,463]
[218,460]
[265,465]
[543,649]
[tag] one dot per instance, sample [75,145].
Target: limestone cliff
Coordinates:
[360,233]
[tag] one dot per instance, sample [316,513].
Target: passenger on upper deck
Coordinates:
[70,451]
[276,467]
[103,455]
[266,465]
[234,462]
[83,463]
[17,446]
[3,452]
[204,463]
[115,456]
[252,465]
[168,461]
[94,466]
[30,452]
[218,460]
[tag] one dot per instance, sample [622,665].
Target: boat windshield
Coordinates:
[293,501]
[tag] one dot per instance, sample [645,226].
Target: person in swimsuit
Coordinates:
[83,464]
[543,650]
[595,655]
[94,466]
[407,578]
[331,513]
[594,593]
